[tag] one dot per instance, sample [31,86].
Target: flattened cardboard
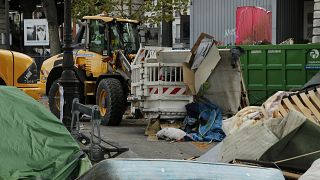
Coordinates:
[188,78]
[206,67]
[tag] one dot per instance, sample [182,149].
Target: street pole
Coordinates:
[68,79]
[7,35]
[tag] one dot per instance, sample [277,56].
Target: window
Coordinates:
[97,31]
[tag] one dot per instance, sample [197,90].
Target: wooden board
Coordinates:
[288,103]
[302,108]
[318,90]
[315,99]
[282,111]
[310,105]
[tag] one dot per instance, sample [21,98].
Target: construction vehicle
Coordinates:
[104,49]
[20,70]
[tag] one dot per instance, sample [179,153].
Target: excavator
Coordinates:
[103,50]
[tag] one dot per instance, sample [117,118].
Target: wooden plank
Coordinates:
[314,98]
[318,90]
[288,103]
[282,110]
[310,105]
[302,108]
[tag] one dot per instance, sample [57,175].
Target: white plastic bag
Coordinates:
[172,134]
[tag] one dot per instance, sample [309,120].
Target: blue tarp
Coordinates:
[210,121]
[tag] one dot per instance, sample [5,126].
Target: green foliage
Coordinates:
[82,8]
[163,10]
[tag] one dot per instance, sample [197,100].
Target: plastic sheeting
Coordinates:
[176,169]
[253,24]
[210,121]
[253,141]
[224,84]
[35,145]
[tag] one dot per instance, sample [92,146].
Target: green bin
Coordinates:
[271,68]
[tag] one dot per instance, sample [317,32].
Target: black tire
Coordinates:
[52,98]
[53,105]
[109,98]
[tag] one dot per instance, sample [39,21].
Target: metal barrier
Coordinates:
[157,88]
[96,150]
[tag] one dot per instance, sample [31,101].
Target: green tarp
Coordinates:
[34,144]
[301,141]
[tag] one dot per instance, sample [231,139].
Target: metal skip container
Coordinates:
[271,68]
[157,88]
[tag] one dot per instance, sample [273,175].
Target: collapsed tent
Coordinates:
[35,144]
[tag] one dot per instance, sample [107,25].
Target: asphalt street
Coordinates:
[130,134]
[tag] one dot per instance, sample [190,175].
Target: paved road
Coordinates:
[131,134]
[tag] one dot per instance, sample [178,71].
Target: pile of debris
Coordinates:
[214,86]
[282,133]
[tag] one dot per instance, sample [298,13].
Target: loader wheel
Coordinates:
[109,98]
[54,99]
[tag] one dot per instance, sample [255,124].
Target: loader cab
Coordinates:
[105,35]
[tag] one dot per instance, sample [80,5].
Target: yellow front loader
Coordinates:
[104,49]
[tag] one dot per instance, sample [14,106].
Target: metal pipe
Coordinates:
[68,78]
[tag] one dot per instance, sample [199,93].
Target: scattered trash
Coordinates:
[171,134]
[261,135]
[288,41]
[218,77]
[284,131]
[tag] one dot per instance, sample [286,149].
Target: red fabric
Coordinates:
[253,24]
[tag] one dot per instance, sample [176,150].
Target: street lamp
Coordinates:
[68,79]
[7,34]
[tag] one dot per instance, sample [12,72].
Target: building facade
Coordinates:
[290,19]
[316,22]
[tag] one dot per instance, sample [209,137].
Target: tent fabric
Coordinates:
[35,144]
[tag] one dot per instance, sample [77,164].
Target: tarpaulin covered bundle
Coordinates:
[34,144]
[210,121]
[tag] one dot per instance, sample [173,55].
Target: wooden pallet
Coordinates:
[308,103]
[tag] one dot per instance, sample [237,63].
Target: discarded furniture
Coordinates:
[308,103]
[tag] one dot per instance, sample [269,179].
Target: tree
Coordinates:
[50,11]
[146,11]
[158,11]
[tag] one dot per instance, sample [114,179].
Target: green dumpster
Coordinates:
[271,68]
